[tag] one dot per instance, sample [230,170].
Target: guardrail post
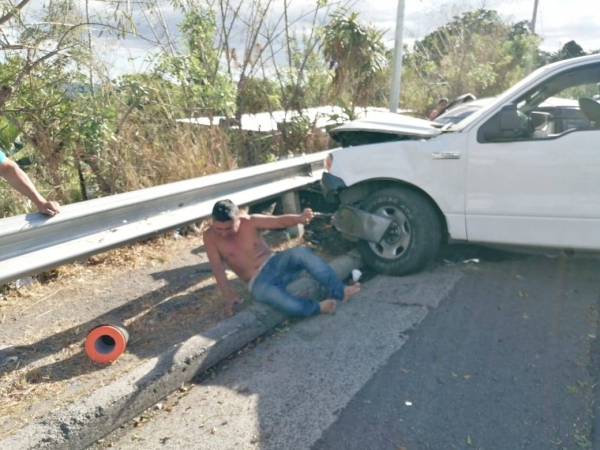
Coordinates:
[291,205]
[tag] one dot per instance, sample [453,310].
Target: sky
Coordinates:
[558,21]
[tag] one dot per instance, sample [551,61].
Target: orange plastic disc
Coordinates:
[104,344]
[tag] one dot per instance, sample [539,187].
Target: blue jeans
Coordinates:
[270,284]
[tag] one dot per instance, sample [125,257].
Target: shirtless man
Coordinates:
[442,103]
[235,240]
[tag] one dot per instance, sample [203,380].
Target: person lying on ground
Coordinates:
[11,172]
[235,240]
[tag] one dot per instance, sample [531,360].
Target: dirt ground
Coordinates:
[161,290]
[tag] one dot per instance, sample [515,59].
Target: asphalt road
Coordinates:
[496,354]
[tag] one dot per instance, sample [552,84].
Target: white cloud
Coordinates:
[558,22]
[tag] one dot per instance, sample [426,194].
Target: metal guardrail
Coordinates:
[32,243]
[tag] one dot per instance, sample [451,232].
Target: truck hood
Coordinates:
[388,123]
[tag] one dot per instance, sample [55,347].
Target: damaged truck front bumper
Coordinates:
[331,186]
[357,224]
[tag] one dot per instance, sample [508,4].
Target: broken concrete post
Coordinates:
[291,205]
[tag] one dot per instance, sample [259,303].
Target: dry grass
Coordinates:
[142,155]
[154,154]
[152,252]
[49,378]
[146,152]
[11,202]
[64,373]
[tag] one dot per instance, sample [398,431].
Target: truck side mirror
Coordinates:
[506,125]
[539,119]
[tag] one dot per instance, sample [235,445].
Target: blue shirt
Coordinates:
[2,156]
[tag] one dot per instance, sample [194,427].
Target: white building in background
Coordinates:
[320,118]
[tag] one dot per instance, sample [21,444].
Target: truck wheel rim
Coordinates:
[397,238]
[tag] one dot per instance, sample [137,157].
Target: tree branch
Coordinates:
[31,110]
[15,10]
[15,47]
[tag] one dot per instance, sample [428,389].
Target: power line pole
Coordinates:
[535,8]
[533,20]
[397,73]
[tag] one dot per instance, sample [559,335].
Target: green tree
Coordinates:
[357,55]
[475,53]
[42,77]
[570,50]
[201,86]
[258,95]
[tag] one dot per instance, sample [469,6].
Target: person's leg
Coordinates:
[274,294]
[297,259]
[270,288]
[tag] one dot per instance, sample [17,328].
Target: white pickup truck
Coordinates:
[502,176]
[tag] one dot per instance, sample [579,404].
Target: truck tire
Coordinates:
[413,239]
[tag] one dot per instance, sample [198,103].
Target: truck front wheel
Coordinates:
[412,240]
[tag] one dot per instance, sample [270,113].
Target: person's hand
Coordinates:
[50,208]
[306,216]
[229,301]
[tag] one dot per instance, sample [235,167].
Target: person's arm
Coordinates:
[263,222]
[22,183]
[217,266]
